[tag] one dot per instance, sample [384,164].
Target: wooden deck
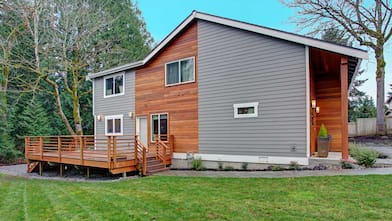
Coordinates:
[115,153]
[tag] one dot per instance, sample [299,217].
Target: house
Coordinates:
[230,91]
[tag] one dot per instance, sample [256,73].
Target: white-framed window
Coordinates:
[246,110]
[159,126]
[180,72]
[114,85]
[114,125]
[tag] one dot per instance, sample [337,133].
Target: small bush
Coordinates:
[197,164]
[323,133]
[228,168]
[294,165]
[220,166]
[8,154]
[364,157]
[382,155]
[244,166]
[276,168]
[346,165]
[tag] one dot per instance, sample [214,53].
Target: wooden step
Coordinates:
[157,171]
[31,166]
[155,167]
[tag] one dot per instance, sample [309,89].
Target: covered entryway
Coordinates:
[330,77]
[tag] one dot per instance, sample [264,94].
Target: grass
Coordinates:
[186,198]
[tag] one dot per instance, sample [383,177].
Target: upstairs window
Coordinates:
[246,110]
[180,72]
[114,85]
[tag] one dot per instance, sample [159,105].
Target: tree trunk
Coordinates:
[380,79]
[56,95]
[3,103]
[76,104]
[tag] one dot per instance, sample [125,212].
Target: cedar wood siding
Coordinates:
[237,66]
[122,104]
[179,101]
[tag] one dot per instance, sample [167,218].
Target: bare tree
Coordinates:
[368,22]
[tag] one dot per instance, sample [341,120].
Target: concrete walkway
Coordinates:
[20,170]
[277,174]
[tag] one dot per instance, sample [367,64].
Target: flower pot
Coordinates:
[323,146]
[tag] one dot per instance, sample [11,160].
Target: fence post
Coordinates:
[81,144]
[59,147]
[115,148]
[41,148]
[108,149]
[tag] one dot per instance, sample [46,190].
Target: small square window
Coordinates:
[114,125]
[246,110]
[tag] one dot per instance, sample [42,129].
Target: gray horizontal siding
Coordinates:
[236,66]
[117,105]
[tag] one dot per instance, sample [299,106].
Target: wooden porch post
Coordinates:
[344,105]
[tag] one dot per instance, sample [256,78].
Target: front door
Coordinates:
[141,129]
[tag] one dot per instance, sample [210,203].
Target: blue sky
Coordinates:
[162,16]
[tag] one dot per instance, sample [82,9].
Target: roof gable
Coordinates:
[312,42]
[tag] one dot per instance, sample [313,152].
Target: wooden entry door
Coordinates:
[141,130]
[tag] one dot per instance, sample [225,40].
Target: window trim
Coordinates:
[113,76]
[255,105]
[159,122]
[113,117]
[179,77]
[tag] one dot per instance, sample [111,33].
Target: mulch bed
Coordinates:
[14,162]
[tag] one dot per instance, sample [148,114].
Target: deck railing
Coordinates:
[84,147]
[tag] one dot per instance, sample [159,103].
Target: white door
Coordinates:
[141,129]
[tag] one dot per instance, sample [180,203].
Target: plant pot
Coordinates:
[323,146]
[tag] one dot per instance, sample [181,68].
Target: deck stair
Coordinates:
[31,166]
[155,165]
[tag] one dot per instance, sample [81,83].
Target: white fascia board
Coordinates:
[354,75]
[286,36]
[174,33]
[115,70]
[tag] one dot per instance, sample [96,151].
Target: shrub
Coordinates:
[197,164]
[276,168]
[382,155]
[8,153]
[228,168]
[323,133]
[364,157]
[294,165]
[220,166]
[244,166]
[346,165]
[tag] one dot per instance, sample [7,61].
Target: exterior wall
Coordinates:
[329,100]
[179,101]
[237,66]
[122,104]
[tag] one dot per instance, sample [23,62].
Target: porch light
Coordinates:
[317,109]
[130,114]
[313,104]
[99,117]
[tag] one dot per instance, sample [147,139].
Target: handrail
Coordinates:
[141,154]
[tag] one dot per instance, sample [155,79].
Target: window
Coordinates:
[180,72]
[114,125]
[246,110]
[114,85]
[159,126]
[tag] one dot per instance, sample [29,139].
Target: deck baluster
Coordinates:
[41,148]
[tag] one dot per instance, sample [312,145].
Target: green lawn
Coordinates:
[179,198]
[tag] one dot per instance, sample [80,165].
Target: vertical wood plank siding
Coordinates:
[179,101]
[237,66]
[117,105]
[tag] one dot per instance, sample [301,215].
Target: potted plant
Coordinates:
[323,142]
